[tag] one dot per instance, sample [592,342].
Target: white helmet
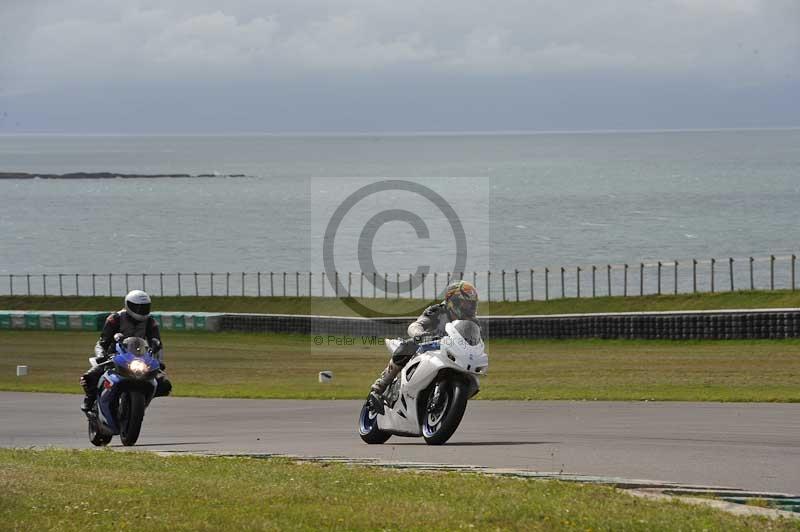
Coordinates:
[137,303]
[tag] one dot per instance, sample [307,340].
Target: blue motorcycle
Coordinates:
[123,393]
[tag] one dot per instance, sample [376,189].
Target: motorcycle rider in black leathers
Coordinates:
[460,303]
[132,321]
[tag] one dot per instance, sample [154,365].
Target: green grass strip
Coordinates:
[286,366]
[103,490]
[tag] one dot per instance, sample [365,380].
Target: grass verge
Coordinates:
[286,366]
[405,307]
[59,490]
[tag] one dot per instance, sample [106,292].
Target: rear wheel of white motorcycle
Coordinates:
[444,407]
[96,437]
[368,426]
[131,414]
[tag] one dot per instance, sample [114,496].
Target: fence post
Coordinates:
[594,276]
[161,284]
[77,286]
[531,299]
[772,272]
[410,287]
[284,284]
[309,285]
[694,276]
[374,285]
[196,287]
[110,292]
[211,282]
[488,284]
[243,274]
[516,283]
[675,278]
[474,280]
[385,285]
[730,270]
[321,277]
[397,282]
[179,283]
[60,284]
[144,284]
[546,284]
[448,279]
[272,286]
[127,287]
[563,292]
[28,280]
[503,283]
[435,287]
[609,278]
[349,284]
[423,285]
[296,284]
[641,279]
[625,281]
[659,277]
[44,284]
[361,285]
[752,284]
[713,262]
[228,283]
[11,283]
[578,281]
[794,260]
[258,283]
[94,290]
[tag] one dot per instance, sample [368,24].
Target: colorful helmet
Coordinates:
[137,303]
[461,300]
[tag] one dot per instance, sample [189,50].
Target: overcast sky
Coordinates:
[202,66]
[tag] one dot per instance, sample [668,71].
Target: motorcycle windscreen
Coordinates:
[135,346]
[469,330]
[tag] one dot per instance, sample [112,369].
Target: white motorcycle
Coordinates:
[429,396]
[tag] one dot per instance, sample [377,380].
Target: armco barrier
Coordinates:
[682,325]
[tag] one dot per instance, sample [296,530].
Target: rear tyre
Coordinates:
[444,409]
[368,426]
[131,414]
[97,438]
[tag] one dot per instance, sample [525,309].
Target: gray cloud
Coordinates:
[50,47]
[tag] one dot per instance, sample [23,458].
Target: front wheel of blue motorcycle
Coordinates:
[131,414]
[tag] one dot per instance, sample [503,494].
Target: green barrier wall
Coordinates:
[93,321]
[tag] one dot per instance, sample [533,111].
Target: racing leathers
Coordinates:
[122,323]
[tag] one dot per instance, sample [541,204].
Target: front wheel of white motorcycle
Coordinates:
[368,426]
[444,409]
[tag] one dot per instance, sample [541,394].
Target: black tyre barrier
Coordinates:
[704,325]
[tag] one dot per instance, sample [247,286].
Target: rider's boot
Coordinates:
[89,385]
[89,397]
[380,385]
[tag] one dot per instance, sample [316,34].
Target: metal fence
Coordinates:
[539,283]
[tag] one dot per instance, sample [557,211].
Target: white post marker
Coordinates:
[325,377]
[22,371]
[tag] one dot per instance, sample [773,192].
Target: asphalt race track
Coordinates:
[743,445]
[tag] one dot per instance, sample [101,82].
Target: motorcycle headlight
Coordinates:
[139,367]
